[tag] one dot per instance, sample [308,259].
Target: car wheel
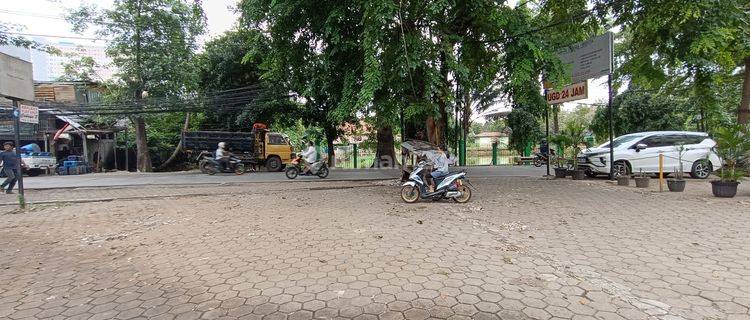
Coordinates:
[273,164]
[620,168]
[701,169]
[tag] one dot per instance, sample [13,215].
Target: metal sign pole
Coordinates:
[17,129]
[611,132]
[611,116]
[546,121]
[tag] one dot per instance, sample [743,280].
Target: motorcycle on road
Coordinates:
[542,159]
[319,169]
[209,165]
[451,186]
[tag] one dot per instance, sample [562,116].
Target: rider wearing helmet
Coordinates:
[544,147]
[222,156]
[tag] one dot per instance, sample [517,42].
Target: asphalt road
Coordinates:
[197,178]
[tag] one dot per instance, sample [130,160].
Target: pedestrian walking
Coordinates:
[10,166]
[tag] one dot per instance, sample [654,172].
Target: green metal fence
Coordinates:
[353,156]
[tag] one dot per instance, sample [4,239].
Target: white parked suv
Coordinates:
[639,152]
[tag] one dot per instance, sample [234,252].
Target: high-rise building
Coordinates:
[71,51]
[50,67]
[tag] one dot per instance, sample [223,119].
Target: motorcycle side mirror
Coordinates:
[640,146]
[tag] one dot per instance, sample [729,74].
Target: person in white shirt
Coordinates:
[310,155]
[222,155]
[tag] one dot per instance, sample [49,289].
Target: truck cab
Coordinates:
[274,148]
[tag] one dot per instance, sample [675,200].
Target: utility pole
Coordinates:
[17,129]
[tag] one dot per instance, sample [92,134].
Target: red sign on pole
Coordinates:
[572,92]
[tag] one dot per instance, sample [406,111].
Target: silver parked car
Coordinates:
[639,152]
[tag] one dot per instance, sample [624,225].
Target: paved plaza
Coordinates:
[523,248]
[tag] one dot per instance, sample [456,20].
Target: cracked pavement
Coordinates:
[523,248]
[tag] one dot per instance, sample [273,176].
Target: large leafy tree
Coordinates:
[235,60]
[638,111]
[152,44]
[689,45]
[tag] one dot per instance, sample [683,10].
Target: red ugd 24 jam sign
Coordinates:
[572,92]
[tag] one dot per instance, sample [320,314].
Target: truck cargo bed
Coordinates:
[209,140]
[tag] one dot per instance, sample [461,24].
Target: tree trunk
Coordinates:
[143,157]
[178,149]
[466,113]
[385,153]
[743,113]
[434,131]
[330,137]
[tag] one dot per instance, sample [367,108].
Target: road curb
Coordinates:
[147,197]
[207,184]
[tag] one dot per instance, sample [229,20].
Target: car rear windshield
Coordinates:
[622,139]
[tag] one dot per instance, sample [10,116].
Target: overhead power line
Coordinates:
[54,36]
[31,14]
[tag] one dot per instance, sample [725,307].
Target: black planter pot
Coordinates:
[578,174]
[676,185]
[561,172]
[642,182]
[724,189]
[623,181]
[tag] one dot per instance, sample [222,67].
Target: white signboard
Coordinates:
[16,78]
[28,114]
[589,59]
[572,92]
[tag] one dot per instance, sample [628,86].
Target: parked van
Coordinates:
[639,152]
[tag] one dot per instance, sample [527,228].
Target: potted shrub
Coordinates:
[677,184]
[561,141]
[623,180]
[642,180]
[733,145]
[575,131]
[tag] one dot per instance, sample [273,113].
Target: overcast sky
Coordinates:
[45,17]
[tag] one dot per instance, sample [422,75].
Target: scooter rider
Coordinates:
[440,166]
[310,156]
[222,156]
[544,148]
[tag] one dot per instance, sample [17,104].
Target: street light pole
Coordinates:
[17,129]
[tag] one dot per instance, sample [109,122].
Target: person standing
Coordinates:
[10,166]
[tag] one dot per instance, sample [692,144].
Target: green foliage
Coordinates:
[152,42]
[81,69]
[692,47]
[574,131]
[524,129]
[488,126]
[235,60]
[733,146]
[635,111]
[562,141]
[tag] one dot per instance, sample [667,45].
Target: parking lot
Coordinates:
[523,248]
